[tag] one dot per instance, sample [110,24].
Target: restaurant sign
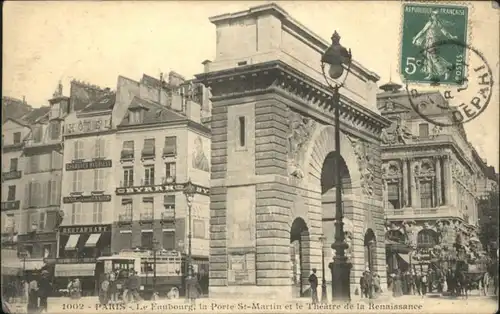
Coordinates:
[94,198]
[85,229]
[162,188]
[88,126]
[94,164]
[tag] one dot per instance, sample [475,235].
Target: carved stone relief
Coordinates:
[391,170]
[396,133]
[299,134]
[366,166]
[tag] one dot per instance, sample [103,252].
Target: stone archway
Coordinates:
[300,257]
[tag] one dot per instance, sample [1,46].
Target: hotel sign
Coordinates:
[10,205]
[94,164]
[162,188]
[88,126]
[94,198]
[85,229]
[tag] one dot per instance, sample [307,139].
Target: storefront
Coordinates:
[79,247]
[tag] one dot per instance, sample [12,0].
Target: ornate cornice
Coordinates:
[277,76]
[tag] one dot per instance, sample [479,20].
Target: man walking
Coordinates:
[133,286]
[313,281]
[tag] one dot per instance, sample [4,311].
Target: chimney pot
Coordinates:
[206,66]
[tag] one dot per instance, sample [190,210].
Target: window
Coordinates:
[169,202]
[127,207]
[147,239]
[56,161]
[242,131]
[170,170]
[147,206]
[55,192]
[78,149]
[427,238]
[42,220]
[77,181]
[47,250]
[126,240]
[97,213]
[37,134]
[76,214]
[393,195]
[426,200]
[128,150]
[27,194]
[135,116]
[98,179]
[55,130]
[17,137]
[99,148]
[11,196]
[128,177]
[423,130]
[169,240]
[36,191]
[149,148]
[13,164]
[29,250]
[34,164]
[149,175]
[170,148]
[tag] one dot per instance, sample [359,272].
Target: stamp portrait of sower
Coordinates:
[423,59]
[200,160]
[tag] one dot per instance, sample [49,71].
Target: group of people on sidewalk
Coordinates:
[36,288]
[369,284]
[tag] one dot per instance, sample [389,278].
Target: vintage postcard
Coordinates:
[250,157]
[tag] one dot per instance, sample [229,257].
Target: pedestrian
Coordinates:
[362,285]
[368,283]
[133,287]
[112,287]
[33,295]
[397,289]
[45,288]
[313,281]
[193,286]
[424,282]
[418,282]
[376,285]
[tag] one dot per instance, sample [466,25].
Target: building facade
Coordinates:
[161,143]
[430,176]
[87,193]
[272,154]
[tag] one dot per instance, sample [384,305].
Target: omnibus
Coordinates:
[168,279]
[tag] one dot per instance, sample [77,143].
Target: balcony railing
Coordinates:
[126,184]
[168,180]
[146,217]
[416,211]
[125,218]
[168,152]
[148,154]
[11,175]
[168,215]
[126,155]
[11,205]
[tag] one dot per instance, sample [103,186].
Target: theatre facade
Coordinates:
[272,164]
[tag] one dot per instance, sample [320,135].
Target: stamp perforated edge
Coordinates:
[470,13]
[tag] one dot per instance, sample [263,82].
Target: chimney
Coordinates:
[175,79]
[193,111]
[24,100]
[206,66]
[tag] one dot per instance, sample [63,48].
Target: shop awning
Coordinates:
[92,240]
[405,257]
[72,242]
[32,264]
[74,270]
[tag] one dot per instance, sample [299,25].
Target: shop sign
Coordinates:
[95,198]
[85,229]
[94,164]
[77,260]
[88,126]
[162,188]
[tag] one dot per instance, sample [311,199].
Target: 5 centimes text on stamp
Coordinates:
[464,102]
[421,59]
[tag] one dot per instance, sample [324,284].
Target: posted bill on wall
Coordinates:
[250,157]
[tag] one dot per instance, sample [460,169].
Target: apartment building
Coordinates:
[162,144]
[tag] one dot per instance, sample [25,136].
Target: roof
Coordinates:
[35,114]
[14,108]
[106,102]
[82,94]
[153,112]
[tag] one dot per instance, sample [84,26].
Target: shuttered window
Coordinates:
[97,213]
[36,190]
[98,180]
[170,148]
[27,195]
[77,181]
[169,240]
[147,239]
[99,148]
[57,161]
[149,175]
[149,148]
[126,240]
[78,150]
[127,207]
[147,205]
[54,192]
[127,150]
[34,165]
[76,214]
[128,177]
[42,220]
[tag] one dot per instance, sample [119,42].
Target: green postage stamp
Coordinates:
[426,55]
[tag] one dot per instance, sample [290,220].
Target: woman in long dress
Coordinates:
[434,66]
[397,289]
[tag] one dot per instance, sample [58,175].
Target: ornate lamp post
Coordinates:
[324,299]
[189,191]
[336,56]
[156,243]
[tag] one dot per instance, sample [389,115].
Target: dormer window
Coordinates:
[135,116]
[37,134]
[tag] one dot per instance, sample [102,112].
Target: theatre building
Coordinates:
[85,232]
[430,177]
[161,144]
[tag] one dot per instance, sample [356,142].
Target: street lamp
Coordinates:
[155,248]
[189,191]
[336,56]
[324,298]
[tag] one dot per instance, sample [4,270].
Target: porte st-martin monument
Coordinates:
[273,159]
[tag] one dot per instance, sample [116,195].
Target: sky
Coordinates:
[44,42]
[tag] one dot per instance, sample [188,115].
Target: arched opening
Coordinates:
[427,238]
[370,242]
[300,256]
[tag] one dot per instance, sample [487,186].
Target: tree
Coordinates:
[488,225]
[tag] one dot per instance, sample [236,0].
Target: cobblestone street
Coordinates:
[407,304]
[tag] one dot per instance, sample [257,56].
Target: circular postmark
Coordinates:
[458,103]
